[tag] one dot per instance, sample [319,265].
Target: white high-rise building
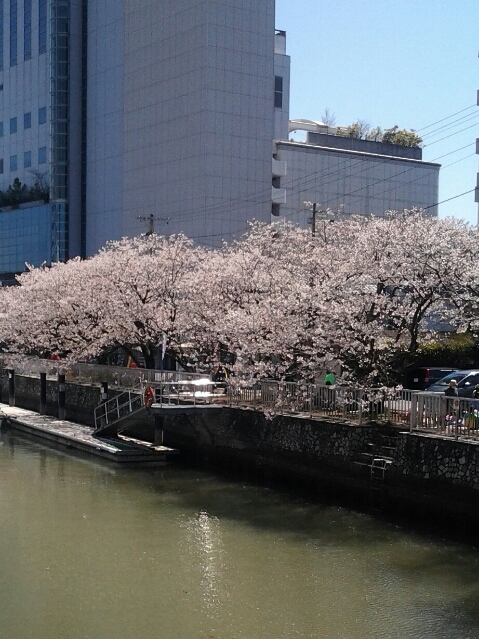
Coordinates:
[129,114]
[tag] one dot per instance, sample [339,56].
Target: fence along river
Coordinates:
[89,551]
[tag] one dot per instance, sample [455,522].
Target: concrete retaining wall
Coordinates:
[80,400]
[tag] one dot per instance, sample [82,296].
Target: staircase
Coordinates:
[118,413]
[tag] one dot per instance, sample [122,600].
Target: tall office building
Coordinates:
[128,114]
[152,109]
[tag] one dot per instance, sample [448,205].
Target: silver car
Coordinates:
[466,382]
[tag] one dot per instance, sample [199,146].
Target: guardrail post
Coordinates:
[11,387]
[104,392]
[61,396]
[412,413]
[43,393]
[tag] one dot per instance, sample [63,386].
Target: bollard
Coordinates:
[159,432]
[43,393]
[61,396]
[11,387]
[103,392]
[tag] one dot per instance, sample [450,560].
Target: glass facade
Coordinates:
[59,106]
[59,76]
[13,32]
[25,236]
[84,86]
[27,29]
[59,232]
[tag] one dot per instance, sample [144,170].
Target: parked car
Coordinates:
[466,382]
[423,377]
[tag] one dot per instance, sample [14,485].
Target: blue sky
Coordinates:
[405,62]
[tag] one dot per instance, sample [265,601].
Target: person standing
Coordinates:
[451,393]
[329,378]
[451,390]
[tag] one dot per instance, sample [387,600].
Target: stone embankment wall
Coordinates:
[438,459]
[429,478]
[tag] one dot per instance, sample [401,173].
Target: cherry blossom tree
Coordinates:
[360,296]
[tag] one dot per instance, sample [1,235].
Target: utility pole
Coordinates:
[313,220]
[151,222]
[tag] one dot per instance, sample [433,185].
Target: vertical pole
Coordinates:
[61,396]
[159,430]
[104,392]
[11,387]
[360,407]
[313,221]
[43,393]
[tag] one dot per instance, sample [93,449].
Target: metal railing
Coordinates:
[95,374]
[445,416]
[117,408]
[200,391]
[347,403]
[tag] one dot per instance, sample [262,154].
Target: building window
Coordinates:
[27,29]
[1,35]
[27,159]
[42,155]
[1,129]
[13,33]
[1,167]
[278,92]
[13,125]
[42,26]
[27,120]
[13,163]
[42,115]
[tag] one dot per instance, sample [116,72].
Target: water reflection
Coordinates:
[203,549]
[91,551]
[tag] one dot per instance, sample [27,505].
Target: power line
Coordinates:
[303,181]
[449,199]
[463,120]
[397,175]
[447,118]
[452,134]
[263,197]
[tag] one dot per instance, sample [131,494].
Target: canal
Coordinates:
[92,551]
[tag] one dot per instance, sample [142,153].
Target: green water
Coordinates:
[91,551]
